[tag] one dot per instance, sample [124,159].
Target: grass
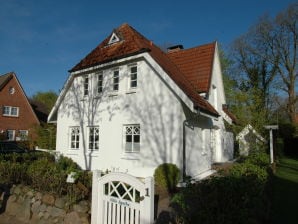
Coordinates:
[285,192]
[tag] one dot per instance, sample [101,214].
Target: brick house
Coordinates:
[17,117]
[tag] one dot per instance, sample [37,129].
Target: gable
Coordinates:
[12,94]
[133,43]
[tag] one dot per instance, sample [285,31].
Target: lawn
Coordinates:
[285,192]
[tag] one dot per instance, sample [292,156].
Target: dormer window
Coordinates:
[114,39]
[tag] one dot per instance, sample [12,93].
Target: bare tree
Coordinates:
[268,52]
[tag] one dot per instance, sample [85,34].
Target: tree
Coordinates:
[47,98]
[42,103]
[266,61]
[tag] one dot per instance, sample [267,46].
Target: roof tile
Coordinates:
[132,42]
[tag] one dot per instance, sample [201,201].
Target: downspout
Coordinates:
[184,153]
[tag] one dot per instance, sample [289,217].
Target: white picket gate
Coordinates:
[119,198]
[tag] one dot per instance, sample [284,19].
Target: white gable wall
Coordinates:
[152,105]
[223,143]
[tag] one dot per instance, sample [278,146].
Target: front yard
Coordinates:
[285,191]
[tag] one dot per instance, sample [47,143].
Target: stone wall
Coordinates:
[42,208]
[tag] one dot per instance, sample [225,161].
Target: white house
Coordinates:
[249,139]
[128,106]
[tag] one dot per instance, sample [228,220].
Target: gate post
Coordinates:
[149,201]
[95,195]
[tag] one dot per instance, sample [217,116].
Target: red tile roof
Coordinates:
[229,113]
[132,43]
[196,64]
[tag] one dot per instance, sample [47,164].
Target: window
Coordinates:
[114,39]
[86,86]
[10,135]
[116,80]
[133,76]
[132,138]
[10,111]
[23,134]
[93,138]
[99,82]
[74,138]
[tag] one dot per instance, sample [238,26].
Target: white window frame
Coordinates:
[131,78]
[93,138]
[11,134]
[23,134]
[76,132]
[86,85]
[134,145]
[116,80]
[99,83]
[9,111]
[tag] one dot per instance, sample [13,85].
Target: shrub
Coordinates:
[12,173]
[167,176]
[46,176]
[67,164]
[238,197]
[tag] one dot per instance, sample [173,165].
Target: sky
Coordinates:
[41,40]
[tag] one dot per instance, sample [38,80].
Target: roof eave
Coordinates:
[143,50]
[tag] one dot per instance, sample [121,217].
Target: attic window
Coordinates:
[114,39]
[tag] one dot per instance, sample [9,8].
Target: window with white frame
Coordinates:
[23,134]
[115,80]
[133,76]
[86,86]
[10,111]
[99,82]
[11,135]
[94,138]
[74,137]
[132,137]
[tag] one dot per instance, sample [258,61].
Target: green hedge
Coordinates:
[41,172]
[240,196]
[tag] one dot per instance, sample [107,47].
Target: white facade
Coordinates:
[110,119]
[223,141]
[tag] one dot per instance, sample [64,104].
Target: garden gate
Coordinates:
[119,198]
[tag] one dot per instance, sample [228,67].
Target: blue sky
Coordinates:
[40,40]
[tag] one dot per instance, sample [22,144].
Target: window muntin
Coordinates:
[99,82]
[74,137]
[86,86]
[115,80]
[93,138]
[10,111]
[133,76]
[132,135]
[23,134]
[10,135]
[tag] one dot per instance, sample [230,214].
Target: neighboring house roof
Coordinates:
[249,129]
[5,78]
[229,113]
[196,64]
[40,110]
[133,43]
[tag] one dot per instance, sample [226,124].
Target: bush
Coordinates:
[167,176]
[40,171]
[238,197]
[46,176]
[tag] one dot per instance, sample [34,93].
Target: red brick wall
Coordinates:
[26,119]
